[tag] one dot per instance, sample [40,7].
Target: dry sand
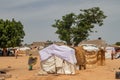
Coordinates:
[18,68]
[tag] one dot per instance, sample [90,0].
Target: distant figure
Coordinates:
[110,52]
[16,53]
[99,38]
[31,61]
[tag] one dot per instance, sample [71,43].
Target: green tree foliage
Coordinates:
[11,33]
[75,28]
[117,43]
[65,27]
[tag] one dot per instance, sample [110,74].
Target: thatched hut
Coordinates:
[99,43]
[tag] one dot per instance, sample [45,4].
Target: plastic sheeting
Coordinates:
[109,51]
[64,52]
[57,65]
[90,47]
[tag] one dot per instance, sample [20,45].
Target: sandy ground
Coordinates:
[18,68]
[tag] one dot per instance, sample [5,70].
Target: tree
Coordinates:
[11,33]
[75,28]
[117,43]
[64,27]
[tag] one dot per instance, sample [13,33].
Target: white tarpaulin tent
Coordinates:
[24,48]
[109,51]
[58,59]
[90,47]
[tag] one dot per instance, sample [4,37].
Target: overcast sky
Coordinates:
[37,16]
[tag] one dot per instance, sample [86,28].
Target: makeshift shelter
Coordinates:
[22,50]
[58,59]
[90,47]
[98,43]
[94,55]
[80,56]
[109,52]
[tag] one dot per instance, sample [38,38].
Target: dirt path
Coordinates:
[18,68]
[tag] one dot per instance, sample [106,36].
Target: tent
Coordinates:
[58,59]
[24,48]
[109,51]
[90,47]
[98,43]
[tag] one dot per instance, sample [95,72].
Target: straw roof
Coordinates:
[99,43]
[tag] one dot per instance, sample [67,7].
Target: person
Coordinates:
[16,53]
[31,61]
